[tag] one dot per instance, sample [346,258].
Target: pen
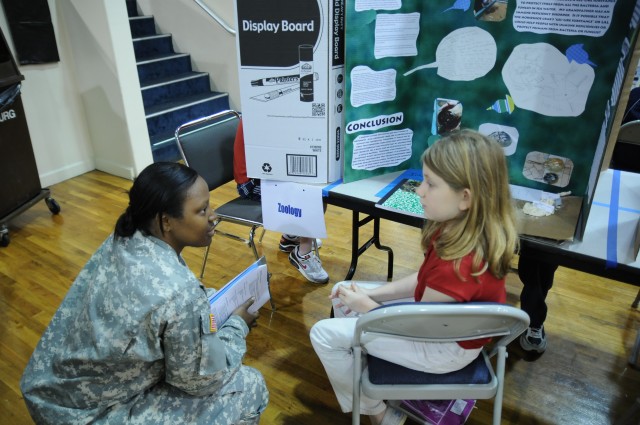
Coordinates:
[285,79]
[274,94]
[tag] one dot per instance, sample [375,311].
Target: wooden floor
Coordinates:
[583,378]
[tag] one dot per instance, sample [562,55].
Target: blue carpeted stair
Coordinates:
[172,92]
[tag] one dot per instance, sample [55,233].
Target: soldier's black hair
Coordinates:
[160,189]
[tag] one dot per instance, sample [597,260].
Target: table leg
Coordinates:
[357,250]
[376,233]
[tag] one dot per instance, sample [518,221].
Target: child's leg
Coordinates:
[430,357]
[306,245]
[332,340]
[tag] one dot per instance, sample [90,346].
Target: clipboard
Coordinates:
[252,282]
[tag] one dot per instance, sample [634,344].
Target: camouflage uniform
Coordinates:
[131,344]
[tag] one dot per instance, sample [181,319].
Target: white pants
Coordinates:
[332,339]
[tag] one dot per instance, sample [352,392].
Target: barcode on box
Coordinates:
[302,165]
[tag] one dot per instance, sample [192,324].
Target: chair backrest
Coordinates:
[630,132]
[437,322]
[443,322]
[206,145]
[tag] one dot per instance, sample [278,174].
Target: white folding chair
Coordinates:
[436,322]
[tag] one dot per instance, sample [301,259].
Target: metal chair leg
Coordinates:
[497,400]
[251,243]
[635,302]
[204,260]
[634,357]
[273,304]
[314,246]
[357,367]
[631,416]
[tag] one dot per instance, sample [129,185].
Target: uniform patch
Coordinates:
[213,327]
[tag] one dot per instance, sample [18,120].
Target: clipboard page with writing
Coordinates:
[252,282]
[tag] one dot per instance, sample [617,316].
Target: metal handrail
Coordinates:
[215,17]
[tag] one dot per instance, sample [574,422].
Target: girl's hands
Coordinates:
[354,298]
[249,318]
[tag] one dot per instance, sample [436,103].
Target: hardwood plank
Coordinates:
[583,378]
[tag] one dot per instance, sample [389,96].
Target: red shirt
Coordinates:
[441,276]
[239,160]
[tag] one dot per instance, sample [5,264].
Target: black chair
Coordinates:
[627,148]
[206,145]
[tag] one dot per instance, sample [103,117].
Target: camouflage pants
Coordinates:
[164,404]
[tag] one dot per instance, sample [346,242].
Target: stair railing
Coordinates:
[215,17]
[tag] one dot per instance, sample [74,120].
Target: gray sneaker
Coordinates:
[309,265]
[534,339]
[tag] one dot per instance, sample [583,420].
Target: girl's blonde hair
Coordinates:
[466,159]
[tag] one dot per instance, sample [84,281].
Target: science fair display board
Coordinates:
[541,77]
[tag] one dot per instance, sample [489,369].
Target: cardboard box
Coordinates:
[291,66]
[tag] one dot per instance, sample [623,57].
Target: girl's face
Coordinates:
[439,201]
[195,228]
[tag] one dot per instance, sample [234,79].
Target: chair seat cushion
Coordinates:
[382,372]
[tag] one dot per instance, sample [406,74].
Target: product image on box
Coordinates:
[291,85]
[291,79]
[278,43]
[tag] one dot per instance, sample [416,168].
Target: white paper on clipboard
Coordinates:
[252,282]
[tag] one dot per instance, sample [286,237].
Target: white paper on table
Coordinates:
[252,282]
[530,195]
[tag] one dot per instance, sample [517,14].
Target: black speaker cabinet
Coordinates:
[19,180]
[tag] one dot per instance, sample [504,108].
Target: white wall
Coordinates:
[212,48]
[85,112]
[107,83]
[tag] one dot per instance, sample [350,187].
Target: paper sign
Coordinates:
[293,208]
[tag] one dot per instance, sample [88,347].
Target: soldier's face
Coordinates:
[195,227]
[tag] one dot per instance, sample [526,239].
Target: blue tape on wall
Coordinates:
[612,231]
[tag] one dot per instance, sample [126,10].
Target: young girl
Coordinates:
[469,240]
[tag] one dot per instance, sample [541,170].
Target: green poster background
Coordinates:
[571,137]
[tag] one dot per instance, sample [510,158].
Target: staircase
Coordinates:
[172,92]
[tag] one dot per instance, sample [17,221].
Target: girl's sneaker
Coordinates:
[393,417]
[534,339]
[309,265]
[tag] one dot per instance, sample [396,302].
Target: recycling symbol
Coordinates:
[266,167]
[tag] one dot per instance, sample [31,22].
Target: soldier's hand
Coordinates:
[243,311]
